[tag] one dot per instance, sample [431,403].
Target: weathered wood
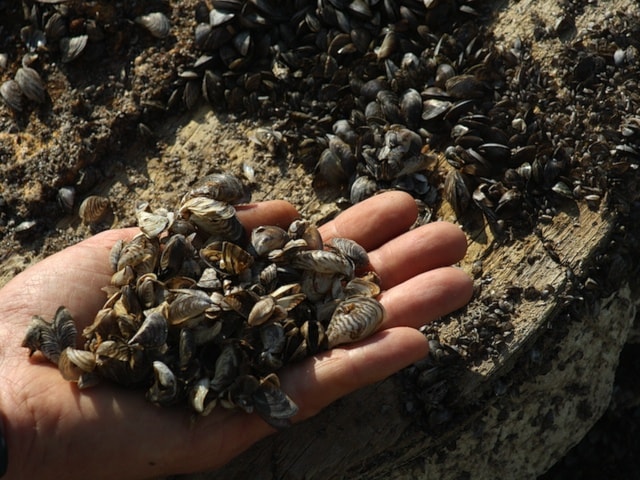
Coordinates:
[519,411]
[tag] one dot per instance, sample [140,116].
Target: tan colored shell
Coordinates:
[353,320]
[95,211]
[215,218]
[322,261]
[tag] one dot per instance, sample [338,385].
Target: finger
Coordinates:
[316,382]
[375,220]
[427,247]
[270,212]
[426,297]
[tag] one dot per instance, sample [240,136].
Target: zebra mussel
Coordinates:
[199,312]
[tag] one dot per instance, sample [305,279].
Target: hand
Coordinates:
[54,430]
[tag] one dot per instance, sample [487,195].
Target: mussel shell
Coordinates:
[322,261]
[267,238]
[152,333]
[61,334]
[12,94]
[354,319]
[31,84]
[188,306]
[261,311]
[164,390]
[74,362]
[226,368]
[141,254]
[351,250]
[152,224]
[67,198]
[72,47]
[56,27]
[273,404]
[156,23]
[362,188]
[95,210]
[214,217]
[456,192]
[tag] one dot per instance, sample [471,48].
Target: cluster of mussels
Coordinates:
[367,83]
[67,30]
[199,313]
[374,89]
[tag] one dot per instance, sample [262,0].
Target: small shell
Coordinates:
[302,229]
[152,224]
[362,188]
[352,250]
[198,397]
[164,390]
[141,254]
[359,287]
[72,47]
[33,337]
[228,257]
[226,368]
[322,261]
[150,291]
[73,363]
[215,218]
[51,338]
[240,393]
[152,333]
[456,192]
[188,306]
[222,187]
[12,94]
[31,84]
[96,212]
[67,198]
[272,338]
[353,320]
[56,27]
[261,311]
[209,280]
[267,238]
[273,404]
[174,255]
[156,23]
[314,336]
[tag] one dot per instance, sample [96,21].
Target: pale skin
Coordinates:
[53,430]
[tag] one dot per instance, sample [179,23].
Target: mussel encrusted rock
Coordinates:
[201,313]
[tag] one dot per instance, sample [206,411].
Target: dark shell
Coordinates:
[12,94]
[72,47]
[31,84]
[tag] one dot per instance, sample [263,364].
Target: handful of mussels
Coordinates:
[198,313]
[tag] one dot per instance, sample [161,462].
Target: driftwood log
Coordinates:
[520,411]
[513,414]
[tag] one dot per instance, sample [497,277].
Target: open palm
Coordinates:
[54,430]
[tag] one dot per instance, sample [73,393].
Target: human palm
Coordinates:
[54,430]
